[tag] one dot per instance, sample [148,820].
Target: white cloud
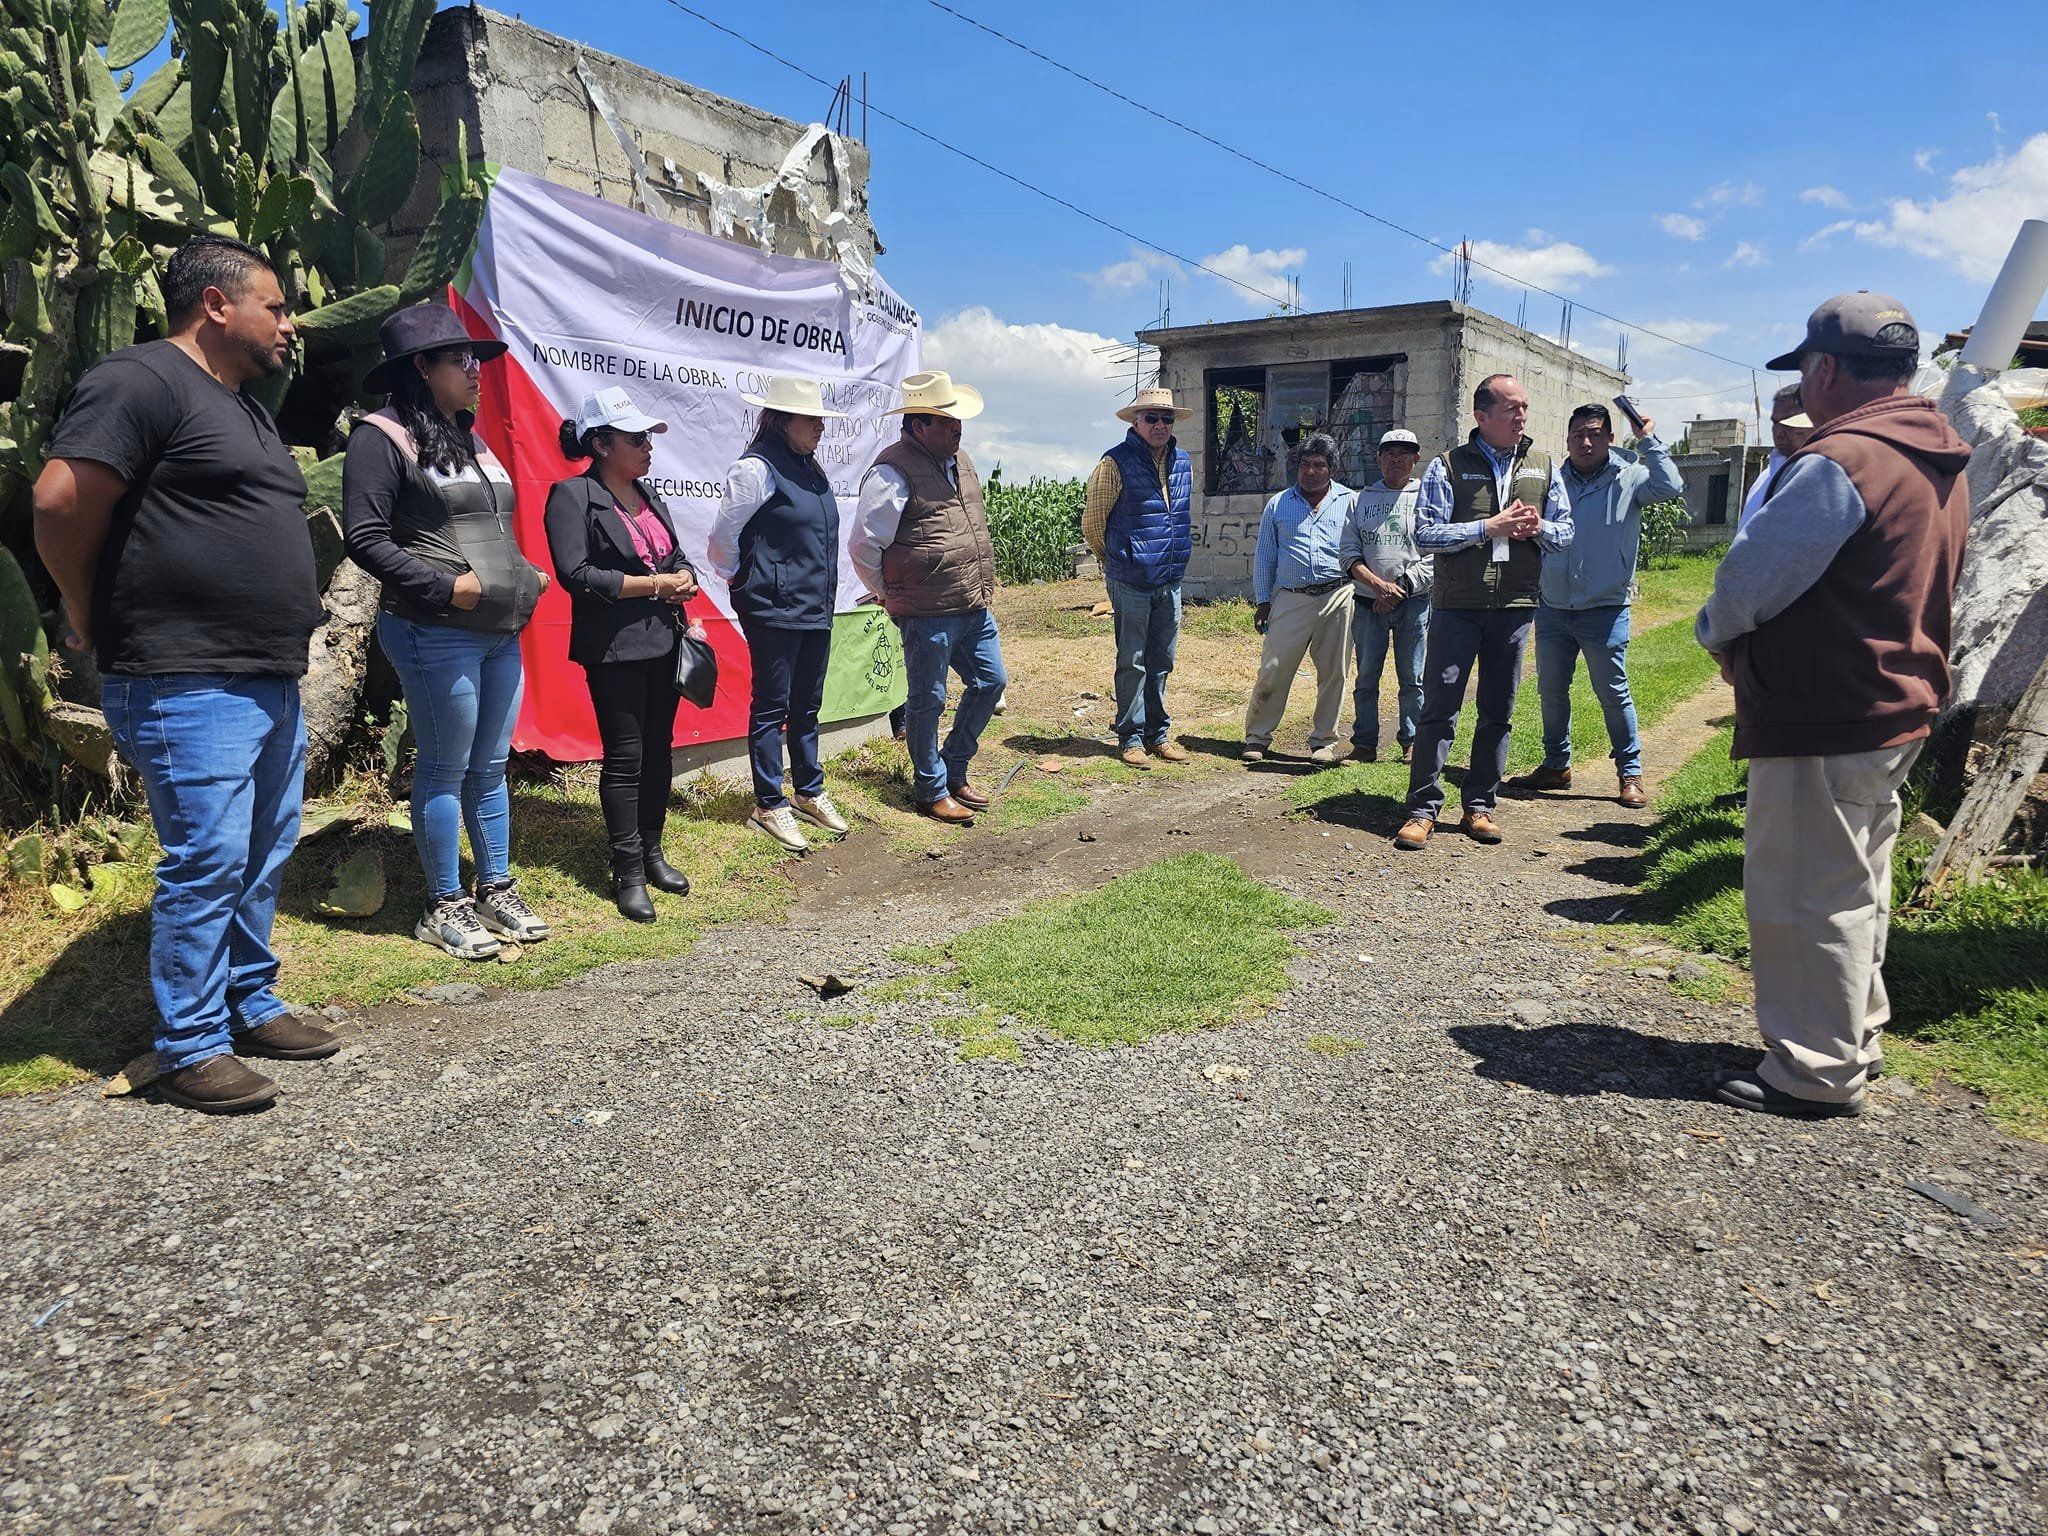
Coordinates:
[1559,265]
[1265,271]
[1972,228]
[1051,402]
[1747,253]
[1143,267]
[1729,194]
[1824,234]
[1923,160]
[1683,226]
[1827,197]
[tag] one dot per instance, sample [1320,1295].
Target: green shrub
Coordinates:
[1664,529]
[1033,525]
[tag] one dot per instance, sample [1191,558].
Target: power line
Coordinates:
[1287,176]
[1052,197]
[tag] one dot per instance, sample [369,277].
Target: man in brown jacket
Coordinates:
[920,543]
[1830,615]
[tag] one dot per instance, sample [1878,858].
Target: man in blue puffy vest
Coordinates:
[1136,519]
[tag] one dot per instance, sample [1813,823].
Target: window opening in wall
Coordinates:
[1717,500]
[1258,417]
[1237,422]
[1367,395]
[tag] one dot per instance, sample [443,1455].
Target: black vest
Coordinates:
[789,549]
[1471,577]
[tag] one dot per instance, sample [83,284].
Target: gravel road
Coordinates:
[663,1252]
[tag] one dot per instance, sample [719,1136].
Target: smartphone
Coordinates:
[1633,412]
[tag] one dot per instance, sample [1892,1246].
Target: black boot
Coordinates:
[629,891]
[664,876]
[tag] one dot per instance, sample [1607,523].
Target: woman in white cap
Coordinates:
[776,541]
[427,510]
[617,555]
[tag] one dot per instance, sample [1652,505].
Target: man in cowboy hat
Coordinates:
[920,542]
[1831,616]
[1137,521]
[173,519]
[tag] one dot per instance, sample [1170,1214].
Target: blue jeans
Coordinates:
[1461,640]
[1147,626]
[1601,634]
[1405,627]
[222,758]
[462,692]
[789,689]
[957,642]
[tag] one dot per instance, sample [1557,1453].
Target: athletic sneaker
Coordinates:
[819,808]
[453,925]
[780,824]
[505,912]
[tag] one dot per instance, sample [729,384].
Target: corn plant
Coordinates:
[1034,526]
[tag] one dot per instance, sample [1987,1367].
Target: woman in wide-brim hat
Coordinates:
[427,510]
[776,542]
[619,557]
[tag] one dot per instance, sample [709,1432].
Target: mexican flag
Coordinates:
[587,295]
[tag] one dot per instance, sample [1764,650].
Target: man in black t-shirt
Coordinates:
[173,519]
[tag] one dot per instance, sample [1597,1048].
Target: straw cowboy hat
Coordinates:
[933,393]
[1154,399]
[793,397]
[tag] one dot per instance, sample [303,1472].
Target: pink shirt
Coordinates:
[650,535]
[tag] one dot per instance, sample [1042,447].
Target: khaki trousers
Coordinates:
[1817,886]
[1302,624]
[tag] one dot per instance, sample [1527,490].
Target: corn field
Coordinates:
[1033,526]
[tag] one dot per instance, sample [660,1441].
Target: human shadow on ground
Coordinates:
[108,963]
[1578,1060]
[1596,911]
[1617,834]
[1213,746]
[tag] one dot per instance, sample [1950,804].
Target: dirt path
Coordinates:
[682,1248]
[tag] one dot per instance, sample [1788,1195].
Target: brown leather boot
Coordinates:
[1632,791]
[219,1085]
[969,796]
[1545,778]
[1169,751]
[1414,834]
[285,1038]
[1480,827]
[1134,756]
[948,810]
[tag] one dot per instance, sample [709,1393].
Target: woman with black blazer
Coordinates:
[617,554]
[776,542]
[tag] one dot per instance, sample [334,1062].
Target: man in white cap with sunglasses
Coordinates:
[920,543]
[1137,519]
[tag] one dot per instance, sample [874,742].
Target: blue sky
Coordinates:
[1710,173]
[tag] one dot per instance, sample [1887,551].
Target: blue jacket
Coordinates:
[1598,568]
[789,549]
[1150,532]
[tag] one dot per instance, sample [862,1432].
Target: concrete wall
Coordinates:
[1449,348]
[516,90]
[1699,471]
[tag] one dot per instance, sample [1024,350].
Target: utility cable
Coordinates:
[1015,180]
[1287,176]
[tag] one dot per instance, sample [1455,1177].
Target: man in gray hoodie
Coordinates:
[1586,590]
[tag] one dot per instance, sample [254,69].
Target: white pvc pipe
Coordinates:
[2022,282]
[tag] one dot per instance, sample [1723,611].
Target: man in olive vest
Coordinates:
[1481,514]
[920,540]
[1138,521]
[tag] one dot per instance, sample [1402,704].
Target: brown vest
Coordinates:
[941,560]
[1859,661]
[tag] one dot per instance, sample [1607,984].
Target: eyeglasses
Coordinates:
[1157,418]
[464,359]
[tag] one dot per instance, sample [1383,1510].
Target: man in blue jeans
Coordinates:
[920,542]
[1391,605]
[1586,588]
[172,518]
[1136,518]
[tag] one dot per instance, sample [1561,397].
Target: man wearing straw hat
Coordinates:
[920,542]
[1137,521]
[1790,428]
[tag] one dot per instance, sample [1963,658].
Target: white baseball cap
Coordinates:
[614,408]
[1400,437]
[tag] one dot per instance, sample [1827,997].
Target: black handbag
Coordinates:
[696,670]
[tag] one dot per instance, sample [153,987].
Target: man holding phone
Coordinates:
[1482,514]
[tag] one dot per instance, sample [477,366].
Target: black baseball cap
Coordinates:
[1848,326]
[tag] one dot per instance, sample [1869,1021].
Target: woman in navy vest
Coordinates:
[618,557]
[776,542]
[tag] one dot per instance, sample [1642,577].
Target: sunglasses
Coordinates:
[630,439]
[1156,418]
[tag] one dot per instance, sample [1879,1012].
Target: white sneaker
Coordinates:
[1003,702]
[1330,752]
[504,911]
[781,825]
[819,808]
[453,925]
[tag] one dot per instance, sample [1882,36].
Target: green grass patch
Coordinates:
[1968,976]
[1678,589]
[1186,943]
[1665,668]
[1026,804]
[1332,1045]
[1226,616]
